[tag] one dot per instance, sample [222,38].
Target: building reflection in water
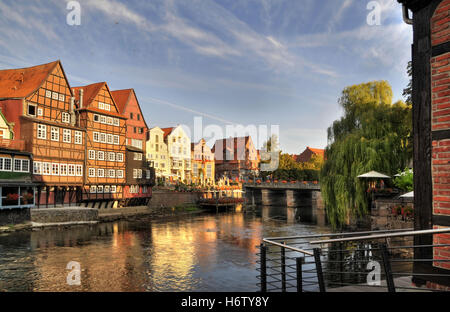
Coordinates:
[207,252]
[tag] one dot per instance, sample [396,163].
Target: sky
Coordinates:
[231,62]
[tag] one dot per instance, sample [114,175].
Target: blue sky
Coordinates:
[261,62]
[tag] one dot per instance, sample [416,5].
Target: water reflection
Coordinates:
[207,252]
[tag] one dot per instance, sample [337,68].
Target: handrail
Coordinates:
[288,247]
[336,234]
[369,237]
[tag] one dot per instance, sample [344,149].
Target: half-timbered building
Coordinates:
[105,138]
[139,176]
[39,103]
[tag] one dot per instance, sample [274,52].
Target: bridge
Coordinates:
[305,196]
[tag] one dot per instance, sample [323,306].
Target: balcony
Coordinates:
[17,145]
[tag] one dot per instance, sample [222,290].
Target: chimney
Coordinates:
[72,112]
[81,98]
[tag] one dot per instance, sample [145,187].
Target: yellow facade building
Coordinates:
[158,154]
[203,168]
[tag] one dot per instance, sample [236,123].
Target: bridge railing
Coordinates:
[391,260]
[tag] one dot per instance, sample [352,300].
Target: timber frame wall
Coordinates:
[431,128]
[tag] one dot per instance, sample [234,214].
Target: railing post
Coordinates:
[283,268]
[263,255]
[319,269]
[387,269]
[299,264]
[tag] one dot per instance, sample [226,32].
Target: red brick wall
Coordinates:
[440,114]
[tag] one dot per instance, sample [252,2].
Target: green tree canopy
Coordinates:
[373,134]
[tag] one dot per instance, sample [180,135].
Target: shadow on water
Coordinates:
[203,252]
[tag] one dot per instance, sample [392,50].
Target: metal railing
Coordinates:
[389,260]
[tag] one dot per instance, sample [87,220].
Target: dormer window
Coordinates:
[31,110]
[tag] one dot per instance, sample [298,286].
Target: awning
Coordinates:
[408,195]
[374,175]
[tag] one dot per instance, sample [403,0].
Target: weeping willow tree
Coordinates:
[373,134]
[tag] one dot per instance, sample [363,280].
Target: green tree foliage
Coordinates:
[405,180]
[373,134]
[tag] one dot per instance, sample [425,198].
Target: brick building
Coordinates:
[236,158]
[139,176]
[431,127]
[308,153]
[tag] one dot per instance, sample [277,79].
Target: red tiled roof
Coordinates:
[167,131]
[20,83]
[121,97]
[317,151]
[90,92]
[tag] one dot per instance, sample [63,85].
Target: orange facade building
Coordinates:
[77,138]
[39,102]
[105,126]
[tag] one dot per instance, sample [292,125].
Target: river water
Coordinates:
[200,252]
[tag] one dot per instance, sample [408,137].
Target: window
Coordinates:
[37,168]
[63,168]
[42,132]
[92,172]
[78,137]
[113,188]
[119,157]
[96,118]
[32,110]
[46,168]
[134,129]
[106,189]
[112,156]
[103,119]
[109,120]
[116,122]
[79,170]
[109,138]
[120,174]
[67,135]
[101,155]
[54,134]
[71,170]
[93,189]
[100,189]
[55,169]
[141,130]
[147,174]
[96,137]
[112,173]
[103,137]
[62,97]
[131,115]
[138,117]
[107,107]
[101,105]
[139,173]
[116,139]
[136,143]
[91,154]
[65,117]
[48,93]
[135,174]
[17,165]
[40,112]
[101,173]
[55,96]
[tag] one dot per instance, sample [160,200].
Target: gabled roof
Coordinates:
[22,82]
[122,98]
[90,92]
[167,131]
[317,151]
